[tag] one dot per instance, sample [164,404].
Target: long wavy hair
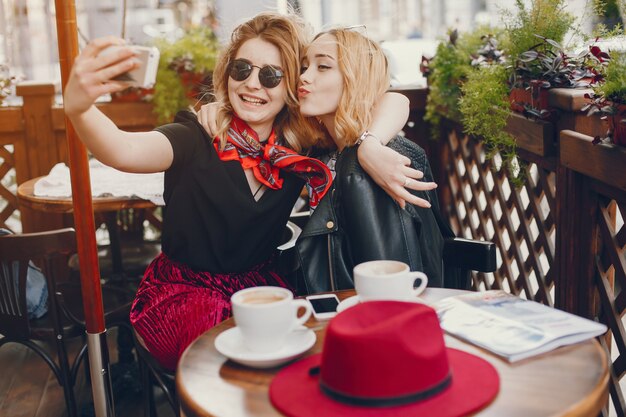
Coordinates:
[289,34]
[364,68]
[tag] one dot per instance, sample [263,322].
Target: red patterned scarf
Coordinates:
[267,159]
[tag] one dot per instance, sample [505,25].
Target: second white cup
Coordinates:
[266,315]
[387,280]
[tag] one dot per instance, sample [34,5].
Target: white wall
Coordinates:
[232,12]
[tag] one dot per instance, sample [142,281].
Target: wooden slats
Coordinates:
[536,137]
[603,162]
[507,218]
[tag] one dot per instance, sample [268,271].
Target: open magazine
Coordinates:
[512,327]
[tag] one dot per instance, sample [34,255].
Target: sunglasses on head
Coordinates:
[269,76]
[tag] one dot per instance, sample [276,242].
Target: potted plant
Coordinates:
[446,72]
[485,107]
[486,101]
[609,100]
[185,71]
[546,65]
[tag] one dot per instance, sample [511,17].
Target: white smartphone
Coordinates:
[324,305]
[143,76]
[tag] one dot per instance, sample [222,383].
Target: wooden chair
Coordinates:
[65,310]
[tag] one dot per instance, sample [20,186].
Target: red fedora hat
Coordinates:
[385,358]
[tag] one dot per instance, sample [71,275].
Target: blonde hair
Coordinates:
[289,34]
[365,77]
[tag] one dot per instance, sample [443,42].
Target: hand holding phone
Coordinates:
[324,305]
[144,75]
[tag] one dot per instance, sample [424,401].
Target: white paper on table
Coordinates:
[510,326]
[105,182]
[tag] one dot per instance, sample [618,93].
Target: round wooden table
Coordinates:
[569,381]
[107,205]
[26,194]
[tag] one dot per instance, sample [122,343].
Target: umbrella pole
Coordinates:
[85,227]
[101,386]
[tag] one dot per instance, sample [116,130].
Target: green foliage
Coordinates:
[484,105]
[195,52]
[546,18]
[448,70]
[614,87]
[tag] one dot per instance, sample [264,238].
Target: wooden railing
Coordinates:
[559,236]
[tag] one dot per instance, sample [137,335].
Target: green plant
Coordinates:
[549,64]
[446,72]
[546,18]
[190,58]
[609,100]
[527,54]
[485,108]
[614,86]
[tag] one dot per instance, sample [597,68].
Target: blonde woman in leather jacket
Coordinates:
[343,73]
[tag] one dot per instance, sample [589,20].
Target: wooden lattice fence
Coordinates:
[560,236]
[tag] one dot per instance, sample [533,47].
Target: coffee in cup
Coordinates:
[387,280]
[266,315]
[260,298]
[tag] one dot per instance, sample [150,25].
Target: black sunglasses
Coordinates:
[269,76]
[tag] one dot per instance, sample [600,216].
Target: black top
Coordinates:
[211,221]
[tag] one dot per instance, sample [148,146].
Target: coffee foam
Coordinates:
[261,297]
[383,269]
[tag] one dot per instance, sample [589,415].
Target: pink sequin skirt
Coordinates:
[174,304]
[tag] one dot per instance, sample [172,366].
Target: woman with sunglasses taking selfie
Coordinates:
[227,198]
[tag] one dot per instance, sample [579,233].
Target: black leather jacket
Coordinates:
[358,222]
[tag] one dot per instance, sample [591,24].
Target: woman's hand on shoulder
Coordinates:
[92,72]
[207,116]
[392,172]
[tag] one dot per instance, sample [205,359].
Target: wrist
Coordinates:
[367,136]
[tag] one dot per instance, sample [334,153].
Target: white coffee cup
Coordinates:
[266,315]
[387,280]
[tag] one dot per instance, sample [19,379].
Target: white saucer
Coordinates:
[354,300]
[230,344]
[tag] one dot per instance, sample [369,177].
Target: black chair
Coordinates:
[51,251]
[460,256]
[128,254]
[153,374]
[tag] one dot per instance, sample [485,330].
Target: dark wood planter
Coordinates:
[535,97]
[604,162]
[535,136]
[617,125]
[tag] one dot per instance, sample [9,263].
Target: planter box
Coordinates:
[535,136]
[604,162]
[535,97]
[617,125]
